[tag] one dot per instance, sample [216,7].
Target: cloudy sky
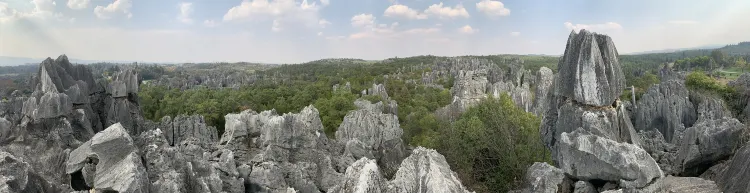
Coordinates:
[290,31]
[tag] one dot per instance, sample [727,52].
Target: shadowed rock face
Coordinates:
[667,108]
[590,72]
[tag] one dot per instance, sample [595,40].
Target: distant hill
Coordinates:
[707,47]
[15,61]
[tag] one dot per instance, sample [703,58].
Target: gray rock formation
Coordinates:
[425,170]
[544,178]
[688,185]
[706,143]
[734,177]
[520,94]
[124,108]
[544,80]
[469,88]
[667,108]
[182,127]
[378,90]
[361,177]
[663,152]
[18,176]
[591,72]
[118,165]
[591,157]
[584,187]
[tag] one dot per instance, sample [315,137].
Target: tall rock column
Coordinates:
[125,108]
[583,98]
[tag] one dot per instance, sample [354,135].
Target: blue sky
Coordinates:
[290,31]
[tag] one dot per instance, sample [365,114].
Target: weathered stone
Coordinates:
[673,184]
[78,93]
[118,166]
[706,143]
[663,153]
[469,88]
[591,157]
[544,81]
[544,178]
[589,72]
[667,108]
[425,170]
[183,127]
[734,178]
[370,127]
[17,176]
[584,187]
[362,176]
[521,95]
[53,105]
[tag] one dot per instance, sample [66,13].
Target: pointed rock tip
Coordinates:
[62,58]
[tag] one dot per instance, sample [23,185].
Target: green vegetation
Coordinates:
[489,146]
[698,81]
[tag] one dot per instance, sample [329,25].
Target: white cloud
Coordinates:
[323,23]
[594,27]
[447,12]
[683,22]
[209,23]
[363,20]
[320,33]
[44,5]
[493,8]
[78,4]
[467,29]
[325,2]
[402,11]
[113,9]
[282,12]
[515,33]
[185,10]
[422,30]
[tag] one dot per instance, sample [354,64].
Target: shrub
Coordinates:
[491,145]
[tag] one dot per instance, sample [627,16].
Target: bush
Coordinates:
[492,144]
[698,81]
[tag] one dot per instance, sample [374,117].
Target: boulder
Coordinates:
[584,187]
[118,165]
[425,170]
[18,176]
[372,128]
[361,177]
[544,178]
[663,152]
[606,122]
[688,185]
[734,178]
[706,143]
[666,107]
[585,156]
[590,72]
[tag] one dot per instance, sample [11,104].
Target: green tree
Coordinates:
[719,56]
[491,145]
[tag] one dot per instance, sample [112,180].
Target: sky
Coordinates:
[293,31]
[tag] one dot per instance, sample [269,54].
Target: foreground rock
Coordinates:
[707,143]
[118,167]
[590,157]
[734,177]
[544,178]
[18,176]
[425,170]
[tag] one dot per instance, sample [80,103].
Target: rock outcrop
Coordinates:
[425,170]
[544,178]
[666,107]
[544,81]
[591,157]
[118,167]
[707,143]
[17,176]
[584,93]
[125,108]
[182,127]
[590,72]
[734,177]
